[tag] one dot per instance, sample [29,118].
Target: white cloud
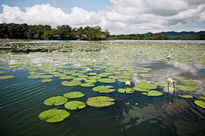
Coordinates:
[123,16]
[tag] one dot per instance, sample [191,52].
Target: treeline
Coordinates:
[64,32]
[185,35]
[149,36]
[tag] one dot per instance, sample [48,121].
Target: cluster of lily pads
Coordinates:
[107,63]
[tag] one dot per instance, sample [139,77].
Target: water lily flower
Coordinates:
[127,83]
[170,80]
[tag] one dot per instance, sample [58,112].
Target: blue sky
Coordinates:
[118,16]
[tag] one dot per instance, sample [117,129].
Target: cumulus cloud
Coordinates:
[123,16]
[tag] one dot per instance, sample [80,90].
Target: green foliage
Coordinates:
[186,88]
[143,86]
[126,90]
[53,115]
[57,100]
[74,94]
[46,80]
[100,101]
[200,103]
[186,96]
[74,105]
[6,77]
[103,89]
[154,93]
[71,83]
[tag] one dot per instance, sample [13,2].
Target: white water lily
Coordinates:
[170,80]
[127,83]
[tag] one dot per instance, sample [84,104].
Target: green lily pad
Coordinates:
[100,101]
[57,100]
[188,82]
[74,94]
[71,83]
[87,84]
[46,80]
[90,80]
[103,89]
[186,96]
[74,105]
[186,88]
[154,93]
[145,75]
[2,72]
[53,115]
[103,74]
[126,90]
[92,74]
[6,77]
[140,89]
[145,86]
[106,80]
[202,97]
[200,103]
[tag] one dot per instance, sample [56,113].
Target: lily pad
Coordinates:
[74,105]
[66,77]
[90,80]
[57,100]
[87,84]
[200,103]
[106,80]
[202,97]
[46,80]
[185,96]
[186,88]
[126,90]
[103,89]
[145,86]
[103,74]
[74,94]
[145,75]
[53,115]
[2,72]
[154,93]
[92,74]
[100,101]
[188,82]
[6,77]
[71,83]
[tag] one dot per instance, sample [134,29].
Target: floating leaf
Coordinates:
[106,80]
[145,86]
[100,101]
[186,88]
[126,90]
[57,100]
[186,96]
[2,72]
[71,83]
[6,77]
[87,84]
[73,94]
[202,97]
[200,103]
[154,93]
[103,74]
[145,75]
[92,74]
[74,105]
[66,77]
[188,82]
[46,80]
[103,89]
[53,115]
[90,80]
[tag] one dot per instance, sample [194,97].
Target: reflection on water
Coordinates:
[21,98]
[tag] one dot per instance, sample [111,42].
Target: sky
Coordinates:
[118,16]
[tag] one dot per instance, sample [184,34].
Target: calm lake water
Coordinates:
[166,113]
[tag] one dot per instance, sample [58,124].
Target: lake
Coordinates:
[109,88]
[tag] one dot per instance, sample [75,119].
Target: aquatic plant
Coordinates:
[6,77]
[106,80]
[87,85]
[56,100]
[53,115]
[143,86]
[2,72]
[103,89]
[202,97]
[200,103]
[154,93]
[126,90]
[74,94]
[185,96]
[186,88]
[100,101]
[74,105]
[71,83]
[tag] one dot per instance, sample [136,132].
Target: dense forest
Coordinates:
[65,32]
